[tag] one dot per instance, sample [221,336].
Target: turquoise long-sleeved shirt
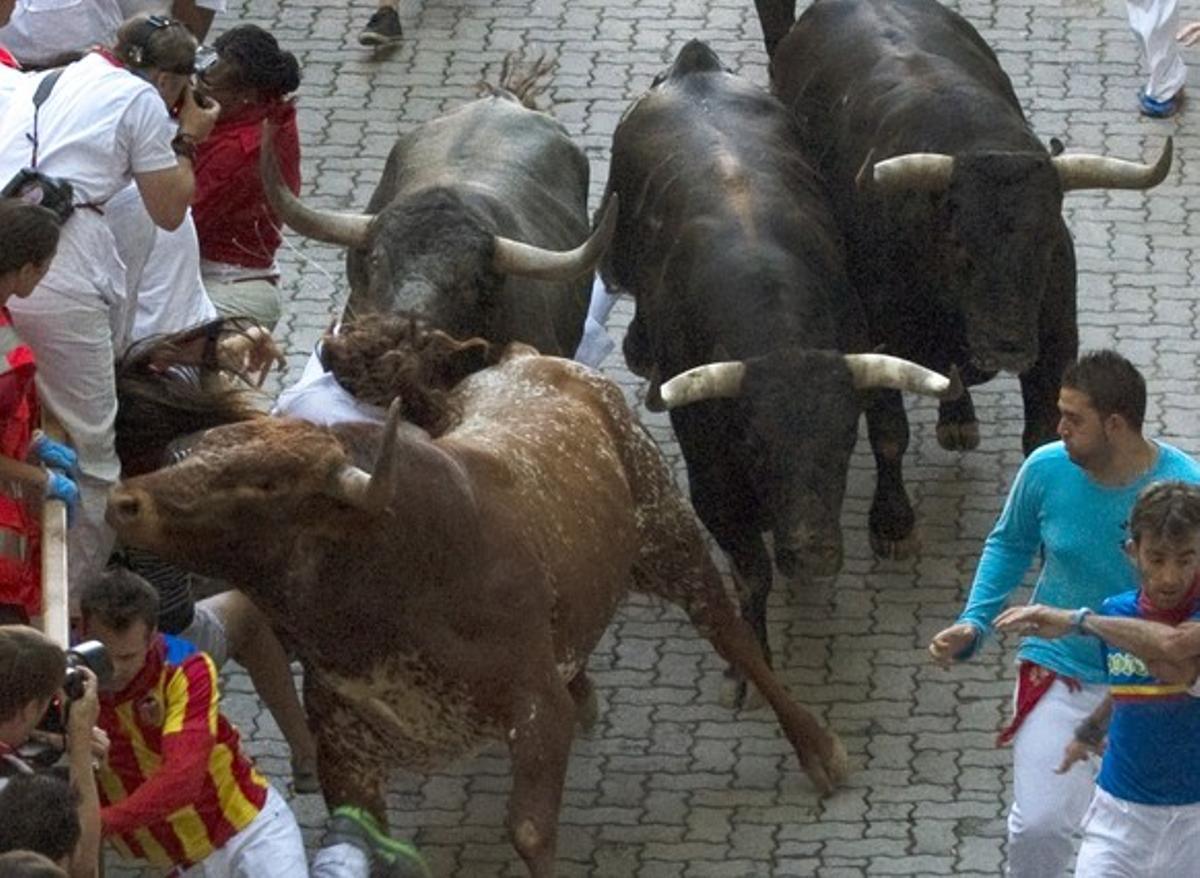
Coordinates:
[1082,526]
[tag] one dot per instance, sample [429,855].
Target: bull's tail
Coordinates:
[521,81]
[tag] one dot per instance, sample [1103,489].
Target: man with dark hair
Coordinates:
[1070,500]
[177,789]
[32,668]
[40,812]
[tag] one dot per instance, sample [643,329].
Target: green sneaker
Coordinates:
[392,859]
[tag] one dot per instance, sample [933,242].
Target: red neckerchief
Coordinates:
[156,657]
[7,59]
[108,56]
[1181,612]
[1033,682]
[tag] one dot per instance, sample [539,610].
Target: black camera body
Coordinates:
[53,193]
[91,655]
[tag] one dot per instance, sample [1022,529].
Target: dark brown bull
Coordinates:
[452,593]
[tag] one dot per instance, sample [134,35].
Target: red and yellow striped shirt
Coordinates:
[176,786]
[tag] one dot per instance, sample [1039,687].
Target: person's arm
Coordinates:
[189,735]
[1006,555]
[1149,641]
[12,470]
[1089,736]
[84,712]
[168,192]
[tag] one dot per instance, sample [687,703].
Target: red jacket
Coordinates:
[20,564]
[233,220]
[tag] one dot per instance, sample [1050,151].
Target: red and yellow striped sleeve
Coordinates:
[189,733]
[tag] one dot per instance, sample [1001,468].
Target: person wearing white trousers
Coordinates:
[1154,23]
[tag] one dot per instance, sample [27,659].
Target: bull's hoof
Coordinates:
[955,436]
[828,768]
[739,694]
[895,548]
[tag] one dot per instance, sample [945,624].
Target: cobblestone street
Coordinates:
[670,784]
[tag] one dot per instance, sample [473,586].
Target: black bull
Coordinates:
[474,227]
[727,243]
[951,210]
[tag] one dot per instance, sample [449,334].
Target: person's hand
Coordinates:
[195,120]
[947,645]
[60,487]
[100,745]
[1189,33]
[251,352]
[1048,622]
[1078,751]
[54,454]
[84,710]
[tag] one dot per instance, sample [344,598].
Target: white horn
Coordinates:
[332,227]
[917,171]
[526,260]
[372,491]
[1102,172]
[710,381]
[882,372]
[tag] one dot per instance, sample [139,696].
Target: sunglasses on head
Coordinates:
[139,53]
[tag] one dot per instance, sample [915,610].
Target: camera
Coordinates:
[91,655]
[35,187]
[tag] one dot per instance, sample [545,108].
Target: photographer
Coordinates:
[32,671]
[104,122]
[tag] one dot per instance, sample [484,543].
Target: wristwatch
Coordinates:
[184,145]
[1077,619]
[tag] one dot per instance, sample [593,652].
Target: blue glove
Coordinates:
[54,454]
[60,487]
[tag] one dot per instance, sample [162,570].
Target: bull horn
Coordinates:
[710,381]
[526,260]
[883,372]
[917,171]
[332,227]
[372,492]
[1102,172]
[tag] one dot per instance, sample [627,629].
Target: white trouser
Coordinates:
[270,846]
[73,343]
[1154,23]
[341,861]
[596,343]
[1047,807]
[257,299]
[1128,840]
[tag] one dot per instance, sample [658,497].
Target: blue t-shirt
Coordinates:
[1153,753]
[1081,526]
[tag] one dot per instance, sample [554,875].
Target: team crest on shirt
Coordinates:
[150,711]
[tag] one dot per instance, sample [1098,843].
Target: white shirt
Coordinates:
[163,269]
[41,30]
[319,399]
[100,126]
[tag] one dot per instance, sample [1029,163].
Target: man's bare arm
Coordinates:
[1149,641]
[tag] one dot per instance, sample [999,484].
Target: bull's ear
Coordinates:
[1056,147]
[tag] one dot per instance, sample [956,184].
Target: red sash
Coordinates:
[1033,682]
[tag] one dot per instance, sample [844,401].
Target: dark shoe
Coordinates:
[389,858]
[383,29]
[1163,109]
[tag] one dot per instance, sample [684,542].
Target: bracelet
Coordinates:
[184,146]
[1078,618]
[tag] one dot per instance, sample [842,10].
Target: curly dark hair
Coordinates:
[379,357]
[261,64]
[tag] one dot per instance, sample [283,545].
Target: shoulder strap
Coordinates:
[45,86]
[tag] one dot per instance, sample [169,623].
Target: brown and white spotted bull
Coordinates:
[445,591]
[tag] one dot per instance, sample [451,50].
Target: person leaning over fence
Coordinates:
[103,122]
[30,236]
[1070,500]
[1144,819]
